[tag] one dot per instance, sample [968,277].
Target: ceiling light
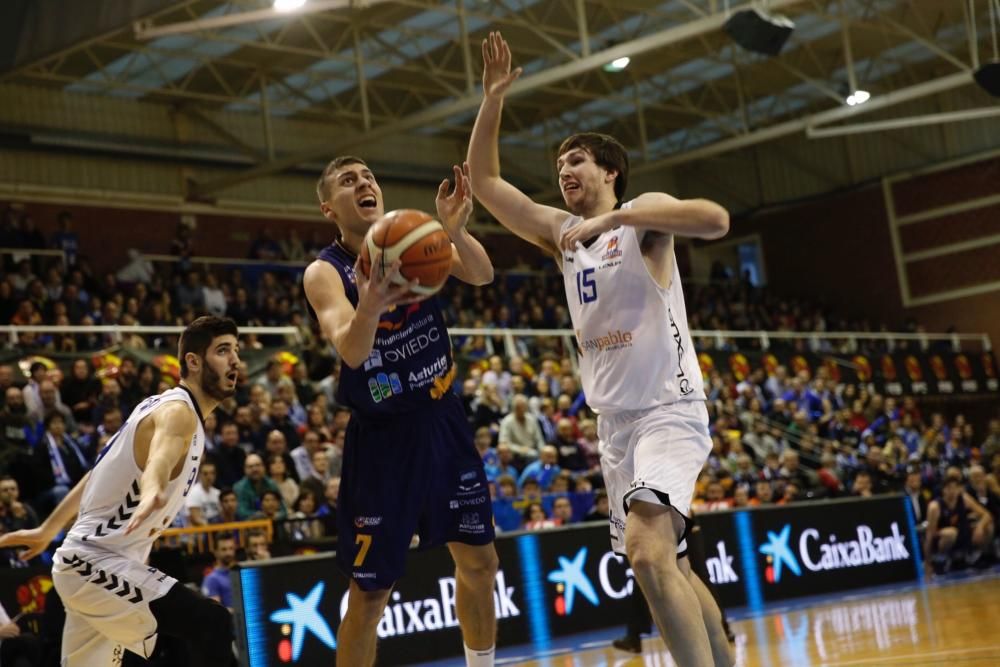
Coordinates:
[758,31]
[618,64]
[288,5]
[858,97]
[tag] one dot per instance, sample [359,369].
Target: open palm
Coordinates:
[453,209]
[497,76]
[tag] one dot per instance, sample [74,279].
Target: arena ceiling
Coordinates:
[398,68]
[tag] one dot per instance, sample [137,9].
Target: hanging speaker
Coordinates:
[988,78]
[759,32]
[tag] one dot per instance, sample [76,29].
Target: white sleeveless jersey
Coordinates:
[636,350]
[112,492]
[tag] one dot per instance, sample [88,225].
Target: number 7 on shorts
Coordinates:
[366,542]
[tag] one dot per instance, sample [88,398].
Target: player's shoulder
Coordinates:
[321,275]
[175,415]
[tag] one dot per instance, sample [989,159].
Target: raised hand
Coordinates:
[454,209]
[378,292]
[497,76]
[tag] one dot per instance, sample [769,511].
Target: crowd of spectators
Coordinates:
[275,449]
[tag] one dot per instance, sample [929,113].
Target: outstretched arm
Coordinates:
[37,539]
[512,208]
[658,213]
[174,425]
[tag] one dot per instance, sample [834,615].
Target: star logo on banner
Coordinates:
[777,548]
[303,615]
[570,574]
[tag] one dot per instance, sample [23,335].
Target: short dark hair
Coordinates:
[322,189]
[608,153]
[51,416]
[226,492]
[37,365]
[199,335]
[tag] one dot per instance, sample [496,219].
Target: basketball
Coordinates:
[418,241]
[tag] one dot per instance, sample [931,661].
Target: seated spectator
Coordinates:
[957,526]
[978,488]
[250,490]
[80,390]
[571,456]
[790,493]
[715,499]
[257,547]
[328,510]
[862,485]
[601,507]
[229,457]
[49,402]
[58,462]
[506,486]
[763,494]
[544,470]
[794,473]
[14,513]
[271,506]
[301,522]
[203,503]
[520,430]
[562,511]
[278,472]
[741,497]
[217,584]
[829,475]
[535,518]
[918,496]
[228,507]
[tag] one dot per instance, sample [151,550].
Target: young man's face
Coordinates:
[581,181]
[220,367]
[354,199]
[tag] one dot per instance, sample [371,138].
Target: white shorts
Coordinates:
[654,455]
[107,600]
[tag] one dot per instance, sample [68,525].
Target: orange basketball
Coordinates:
[418,241]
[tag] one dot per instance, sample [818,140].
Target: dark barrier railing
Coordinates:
[566,580]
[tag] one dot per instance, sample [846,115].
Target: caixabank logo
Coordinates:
[817,552]
[302,616]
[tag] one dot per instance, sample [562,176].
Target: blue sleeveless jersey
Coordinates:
[410,365]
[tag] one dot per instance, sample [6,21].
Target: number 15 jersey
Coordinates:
[636,350]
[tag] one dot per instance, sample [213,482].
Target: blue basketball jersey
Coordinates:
[410,365]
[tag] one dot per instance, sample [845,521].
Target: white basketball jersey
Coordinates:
[636,350]
[112,492]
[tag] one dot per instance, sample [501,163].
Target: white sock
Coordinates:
[479,657]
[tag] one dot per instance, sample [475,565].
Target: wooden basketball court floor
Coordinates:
[954,622]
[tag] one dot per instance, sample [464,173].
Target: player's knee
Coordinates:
[482,565]
[947,538]
[367,606]
[647,560]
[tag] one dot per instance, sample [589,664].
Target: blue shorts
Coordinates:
[418,474]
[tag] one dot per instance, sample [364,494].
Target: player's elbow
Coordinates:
[716,222]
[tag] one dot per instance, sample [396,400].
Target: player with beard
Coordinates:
[114,602]
[638,364]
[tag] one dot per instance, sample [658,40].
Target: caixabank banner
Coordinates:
[820,547]
[558,582]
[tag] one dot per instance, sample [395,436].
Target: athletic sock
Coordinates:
[479,657]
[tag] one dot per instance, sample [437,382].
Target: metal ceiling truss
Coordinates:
[381,68]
